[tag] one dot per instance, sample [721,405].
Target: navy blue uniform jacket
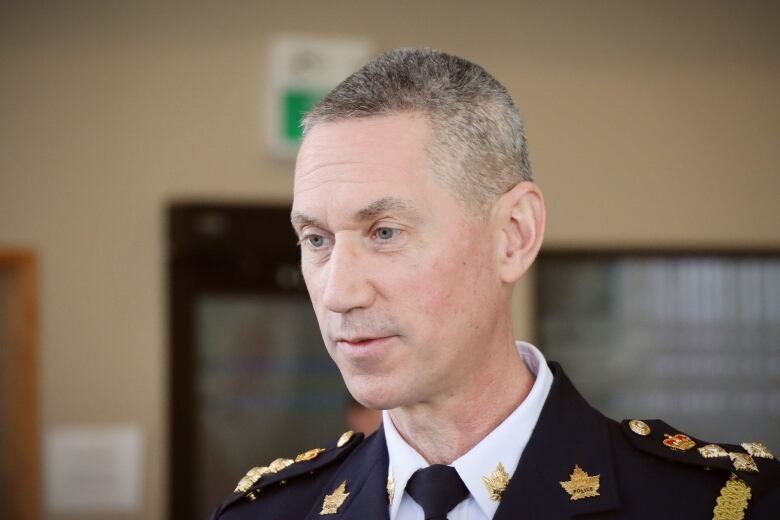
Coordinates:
[640,478]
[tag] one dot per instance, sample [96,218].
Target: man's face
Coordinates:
[402,277]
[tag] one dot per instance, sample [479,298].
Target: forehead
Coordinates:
[396,140]
[353,163]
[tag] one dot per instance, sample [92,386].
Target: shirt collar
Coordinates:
[504,444]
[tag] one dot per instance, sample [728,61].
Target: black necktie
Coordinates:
[437,489]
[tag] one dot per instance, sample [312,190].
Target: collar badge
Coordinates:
[496,483]
[390,487]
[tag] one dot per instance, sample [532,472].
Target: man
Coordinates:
[416,214]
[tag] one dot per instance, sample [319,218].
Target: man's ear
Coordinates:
[521,223]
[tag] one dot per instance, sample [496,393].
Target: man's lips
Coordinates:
[363,341]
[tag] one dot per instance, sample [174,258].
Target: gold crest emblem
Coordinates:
[733,500]
[639,427]
[743,462]
[678,442]
[345,437]
[711,451]
[309,455]
[581,485]
[756,449]
[333,502]
[496,483]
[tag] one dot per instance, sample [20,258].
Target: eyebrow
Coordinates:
[382,205]
[300,220]
[370,212]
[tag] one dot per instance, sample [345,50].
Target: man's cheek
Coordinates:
[313,286]
[434,297]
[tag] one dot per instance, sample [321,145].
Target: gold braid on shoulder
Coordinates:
[733,500]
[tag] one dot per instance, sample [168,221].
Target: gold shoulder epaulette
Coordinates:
[282,469]
[749,469]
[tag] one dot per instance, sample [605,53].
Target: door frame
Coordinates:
[19,388]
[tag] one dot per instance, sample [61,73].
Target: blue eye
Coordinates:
[315,240]
[386,233]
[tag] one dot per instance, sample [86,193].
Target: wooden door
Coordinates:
[19,434]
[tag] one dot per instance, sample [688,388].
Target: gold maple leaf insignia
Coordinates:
[390,487]
[743,462]
[756,449]
[581,485]
[333,502]
[496,483]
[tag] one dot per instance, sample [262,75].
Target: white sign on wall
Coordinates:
[94,469]
[302,69]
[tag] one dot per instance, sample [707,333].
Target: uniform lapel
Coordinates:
[569,432]
[365,472]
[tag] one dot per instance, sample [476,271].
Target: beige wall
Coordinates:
[650,123]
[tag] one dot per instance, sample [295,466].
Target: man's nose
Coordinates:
[346,285]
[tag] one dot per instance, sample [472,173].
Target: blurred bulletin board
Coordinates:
[692,339]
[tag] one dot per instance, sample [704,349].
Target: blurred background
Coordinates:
[156,341]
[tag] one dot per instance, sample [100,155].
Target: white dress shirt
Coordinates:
[505,444]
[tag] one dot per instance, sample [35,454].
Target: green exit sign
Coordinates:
[302,69]
[297,103]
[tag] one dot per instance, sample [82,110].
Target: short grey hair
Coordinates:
[478,146]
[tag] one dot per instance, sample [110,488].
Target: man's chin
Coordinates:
[373,394]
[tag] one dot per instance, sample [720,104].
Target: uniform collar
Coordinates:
[504,444]
[569,432]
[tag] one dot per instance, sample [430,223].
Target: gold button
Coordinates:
[639,427]
[345,437]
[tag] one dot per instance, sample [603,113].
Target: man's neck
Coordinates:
[443,431]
